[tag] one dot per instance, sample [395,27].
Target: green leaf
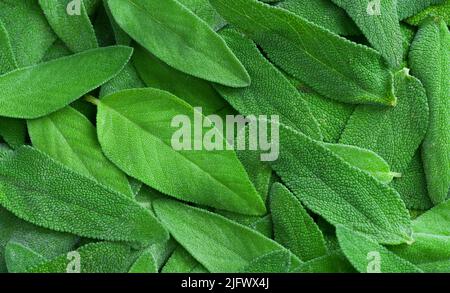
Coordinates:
[182,262]
[368,256]
[128,78]
[145,263]
[272,262]
[395,132]
[19,257]
[381,28]
[339,192]
[204,10]
[140,120]
[270,92]
[29,32]
[323,13]
[13,131]
[101,257]
[157,74]
[165,29]
[334,262]
[233,248]
[430,62]
[41,191]
[441,10]
[364,160]
[314,55]
[7,59]
[412,185]
[68,137]
[36,91]
[293,226]
[407,8]
[75,31]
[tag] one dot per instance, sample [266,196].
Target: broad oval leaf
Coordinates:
[165,28]
[135,132]
[42,191]
[36,91]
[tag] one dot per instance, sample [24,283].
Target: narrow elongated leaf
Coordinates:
[75,31]
[321,59]
[381,28]
[29,32]
[41,191]
[145,263]
[101,257]
[128,78]
[195,91]
[334,262]
[293,226]
[230,250]
[323,13]
[59,82]
[205,11]
[340,193]
[140,121]
[69,137]
[272,262]
[7,59]
[182,262]
[362,251]
[164,28]
[270,92]
[430,62]
[441,10]
[395,133]
[364,160]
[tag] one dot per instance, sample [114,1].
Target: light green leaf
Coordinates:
[41,191]
[7,59]
[395,133]
[165,29]
[139,121]
[145,263]
[75,31]
[233,248]
[270,92]
[364,160]
[331,65]
[182,262]
[68,137]
[323,13]
[407,8]
[339,192]
[272,262]
[293,226]
[441,10]
[381,28]
[206,12]
[334,262]
[36,91]
[368,256]
[157,74]
[430,62]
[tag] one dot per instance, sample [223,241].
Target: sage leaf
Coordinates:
[206,12]
[297,46]
[182,262]
[407,8]
[144,264]
[441,10]
[363,253]
[143,117]
[68,137]
[75,31]
[164,28]
[262,97]
[334,262]
[272,262]
[7,59]
[60,81]
[340,193]
[34,187]
[13,131]
[232,249]
[381,28]
[396,133]
[430,62]
[293,226]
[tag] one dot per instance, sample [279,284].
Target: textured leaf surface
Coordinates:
[270,92]
[293,226]
[358,249]
[430,62]
[134,129]
[272,262]
[44,192]
[60,81]
[205,11]
[407,8]
[182,262]
[75,31]
[69,137]
[339,192]
[232,249]
[344,70]
[382,30]
[334,262]
[441,10]
[165,29]
[395,132]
